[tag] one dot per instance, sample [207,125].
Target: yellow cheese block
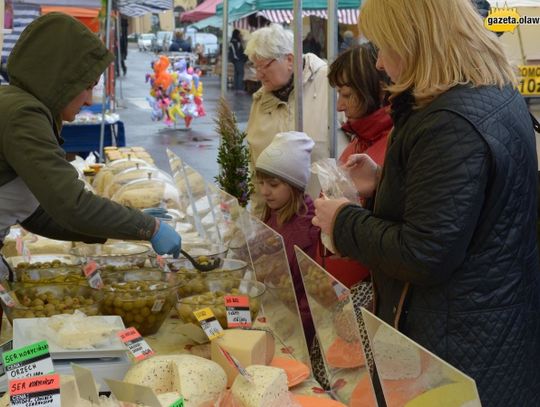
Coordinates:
[449,395]
[249,347]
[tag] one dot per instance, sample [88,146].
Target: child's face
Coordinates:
[275,192]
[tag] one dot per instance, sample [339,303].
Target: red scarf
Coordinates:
[366,131]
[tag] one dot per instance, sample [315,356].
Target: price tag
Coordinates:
[178,403]
[6,346]
[158,304]
[162,263]
[236,364]
[35,391]
[135,343]
[91,271]
[209,323]
[28,361]
[133,393]
[340,290]
[238,314]
[26,253]
[19,245]
[6,298]
[85,383]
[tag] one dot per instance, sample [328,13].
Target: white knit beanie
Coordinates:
[288,157]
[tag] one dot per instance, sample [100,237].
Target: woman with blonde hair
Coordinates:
[451,236]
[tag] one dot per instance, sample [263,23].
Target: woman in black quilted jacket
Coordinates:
[451,238]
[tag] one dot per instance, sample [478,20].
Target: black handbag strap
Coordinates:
[536,124]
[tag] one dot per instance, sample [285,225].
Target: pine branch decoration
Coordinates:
[233,155]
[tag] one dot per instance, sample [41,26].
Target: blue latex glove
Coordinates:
[166,240]
[160,213]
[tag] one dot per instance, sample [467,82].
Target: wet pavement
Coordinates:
[197,145]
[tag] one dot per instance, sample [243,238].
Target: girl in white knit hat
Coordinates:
[282,171]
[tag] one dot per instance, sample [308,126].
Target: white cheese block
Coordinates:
[269,388]
[396,357]
[249,347]
[166,399]
[197,379]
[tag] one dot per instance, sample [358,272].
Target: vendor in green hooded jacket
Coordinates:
[39,188]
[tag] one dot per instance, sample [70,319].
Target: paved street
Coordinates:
[197,146]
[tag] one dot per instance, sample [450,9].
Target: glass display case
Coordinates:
[131,174]
[148,193]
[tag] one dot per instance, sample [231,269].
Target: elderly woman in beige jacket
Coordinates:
[272,111]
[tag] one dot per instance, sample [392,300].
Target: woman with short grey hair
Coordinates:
[271,50]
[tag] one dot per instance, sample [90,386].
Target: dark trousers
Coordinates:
[238,81]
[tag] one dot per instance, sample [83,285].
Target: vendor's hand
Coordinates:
[166,240]
[160,213]
[364,172]
[325,211]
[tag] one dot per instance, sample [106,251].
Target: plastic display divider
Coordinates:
[338,333]
[411,375]
[280,309]
[183,184]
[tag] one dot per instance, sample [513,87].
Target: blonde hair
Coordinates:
[294,206]
[441,43]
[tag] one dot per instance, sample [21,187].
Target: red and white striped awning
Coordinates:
[345,16]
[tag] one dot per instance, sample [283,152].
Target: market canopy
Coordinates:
[202,11]
[515,3]
[306,4]
[135,8]
[88,16]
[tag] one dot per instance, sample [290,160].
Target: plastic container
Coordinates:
[192,282]
[47,269]
[35,301]
[213,297]
[113,255]
[149,193]
[142,298]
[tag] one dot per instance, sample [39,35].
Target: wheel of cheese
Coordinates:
[198,380]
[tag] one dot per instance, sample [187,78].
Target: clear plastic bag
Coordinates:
[335,184]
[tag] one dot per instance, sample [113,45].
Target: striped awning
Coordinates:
[345,16]
[135,8]
[23,14]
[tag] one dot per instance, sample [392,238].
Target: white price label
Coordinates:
[91,271]
[238,314]
[6,298]
[210,325]
[35,391]
[135,343]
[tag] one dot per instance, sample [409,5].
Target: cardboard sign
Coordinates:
[238,315]
[91,271]
[35,391]
[85,383]
[28,361]
[133,393]
[209,323]
[135,343]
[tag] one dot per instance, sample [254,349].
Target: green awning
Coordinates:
[306,4]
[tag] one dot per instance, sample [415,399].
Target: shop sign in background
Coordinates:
[529,82]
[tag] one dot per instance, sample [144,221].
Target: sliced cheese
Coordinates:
[395,356]
[166,399]
[269,388]
[249,347]
[198,380]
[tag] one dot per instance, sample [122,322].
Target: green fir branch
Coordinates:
[233,155]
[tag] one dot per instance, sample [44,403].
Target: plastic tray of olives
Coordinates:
[191,281]
[213,297]
[35,301]
[121,254]
[47,269]
[142,298]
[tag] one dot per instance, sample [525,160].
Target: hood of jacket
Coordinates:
[55,59]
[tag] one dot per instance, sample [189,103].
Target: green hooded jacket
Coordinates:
[54,60]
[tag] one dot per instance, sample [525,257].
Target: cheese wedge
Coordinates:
[249,347]
[269,388]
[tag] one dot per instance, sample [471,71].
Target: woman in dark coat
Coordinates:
[238,58]
[451,238]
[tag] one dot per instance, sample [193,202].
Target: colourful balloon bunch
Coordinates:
[175,92]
